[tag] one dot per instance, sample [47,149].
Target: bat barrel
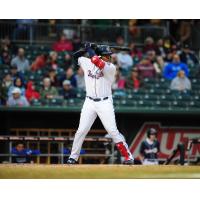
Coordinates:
[120,48]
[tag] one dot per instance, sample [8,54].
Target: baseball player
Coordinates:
[149,148]
[99,74]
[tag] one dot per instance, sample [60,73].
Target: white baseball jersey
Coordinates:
[98,82]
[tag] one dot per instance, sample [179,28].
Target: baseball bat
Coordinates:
[80,52]
[121,48]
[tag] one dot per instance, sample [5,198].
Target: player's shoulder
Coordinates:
[84,62]
[83,59]
[110,65]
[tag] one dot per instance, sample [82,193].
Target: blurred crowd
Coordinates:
[61,78]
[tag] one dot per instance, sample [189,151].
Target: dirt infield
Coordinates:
[96,171]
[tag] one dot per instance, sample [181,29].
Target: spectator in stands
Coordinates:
[180,83]
[120,41]
[114,59]
[67,61]
[69,75]
[184,32]
[48,91]
[52,61]
[124,60]
[160,49]
[159,65]
[53,77]
[22,155]
[80,78]
[149,45]
[5,56]
[4,88]
[119,81]
[133,81]
[151,56]
[169,58]
[17,99]
[146,69]
[18,82]
[31,93]
[76,43]
[133,28]
[67,91]
[173,50]
[20,61]
[135,53]
[167,43]
[171,70]
[6,44]
[15,74]
[63,44]
[39,62]
[188,56]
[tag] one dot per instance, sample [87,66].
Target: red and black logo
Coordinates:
[169,138]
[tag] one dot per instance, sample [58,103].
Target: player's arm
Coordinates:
[83,62]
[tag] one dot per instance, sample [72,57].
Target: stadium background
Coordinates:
[153,101]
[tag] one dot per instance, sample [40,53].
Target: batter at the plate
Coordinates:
[99,75]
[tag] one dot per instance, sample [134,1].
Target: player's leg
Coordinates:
[106,113]
[87,118]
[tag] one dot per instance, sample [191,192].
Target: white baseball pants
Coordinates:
[91,109]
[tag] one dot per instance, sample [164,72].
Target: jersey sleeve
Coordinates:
[84,62]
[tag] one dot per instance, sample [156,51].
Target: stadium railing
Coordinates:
[46,33]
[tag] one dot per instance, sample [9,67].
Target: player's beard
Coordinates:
[106,58]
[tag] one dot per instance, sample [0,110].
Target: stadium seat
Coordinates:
[56,102]
[137,97]
[162,104]
[179,104]
[119,94]
[194,104]
[167,97]
[129,103]
[80,94]
[184,97]
[116,102]
[45,102]
[145,104]
[35,102]
[73,102]
[151,97]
